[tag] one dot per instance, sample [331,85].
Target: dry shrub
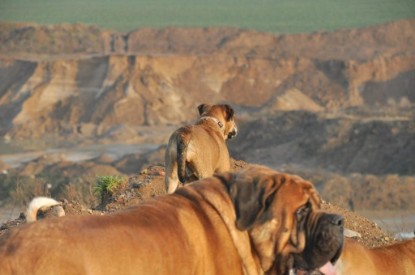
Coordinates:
[82,191]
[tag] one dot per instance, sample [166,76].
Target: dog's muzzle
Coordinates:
[233,133]
[323,247]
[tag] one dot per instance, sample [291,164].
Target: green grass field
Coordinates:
[283,16]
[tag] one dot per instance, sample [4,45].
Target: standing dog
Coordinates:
[357,259]
[197,151]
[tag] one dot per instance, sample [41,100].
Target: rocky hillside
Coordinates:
[343,144]
[76,81]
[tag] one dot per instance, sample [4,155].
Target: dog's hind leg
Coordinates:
[171,179]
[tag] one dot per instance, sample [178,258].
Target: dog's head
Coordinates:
[281,213]
[225,116]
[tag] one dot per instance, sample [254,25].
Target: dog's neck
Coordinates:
[217,121]
[225,209]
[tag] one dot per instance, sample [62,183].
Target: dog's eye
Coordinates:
[302,212]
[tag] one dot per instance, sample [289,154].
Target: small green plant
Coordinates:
[107,185]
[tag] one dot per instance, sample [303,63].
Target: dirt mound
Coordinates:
[343,144]
[149,183]
[132,163]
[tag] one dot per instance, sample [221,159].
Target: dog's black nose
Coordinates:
[233,133]
[337,220]
[334,219]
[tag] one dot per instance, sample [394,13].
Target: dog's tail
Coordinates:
[42,203]
[181,158]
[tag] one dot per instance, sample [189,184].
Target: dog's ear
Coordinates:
[202,108]
[229,112]
[253,198]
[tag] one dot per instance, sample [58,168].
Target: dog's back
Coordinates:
[159,236]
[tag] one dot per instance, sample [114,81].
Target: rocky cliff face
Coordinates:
[73,80]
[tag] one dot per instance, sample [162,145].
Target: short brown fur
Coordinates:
[356,259]
[198,151]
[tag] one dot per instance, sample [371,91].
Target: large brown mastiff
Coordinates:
[357,259]
[256,221]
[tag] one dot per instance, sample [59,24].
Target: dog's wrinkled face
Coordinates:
[224,113]
[281,213]
[324,244]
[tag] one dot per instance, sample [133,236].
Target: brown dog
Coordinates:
[256,221]
[357,259]
[197,151]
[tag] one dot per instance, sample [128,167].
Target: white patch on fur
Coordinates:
[41,203]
